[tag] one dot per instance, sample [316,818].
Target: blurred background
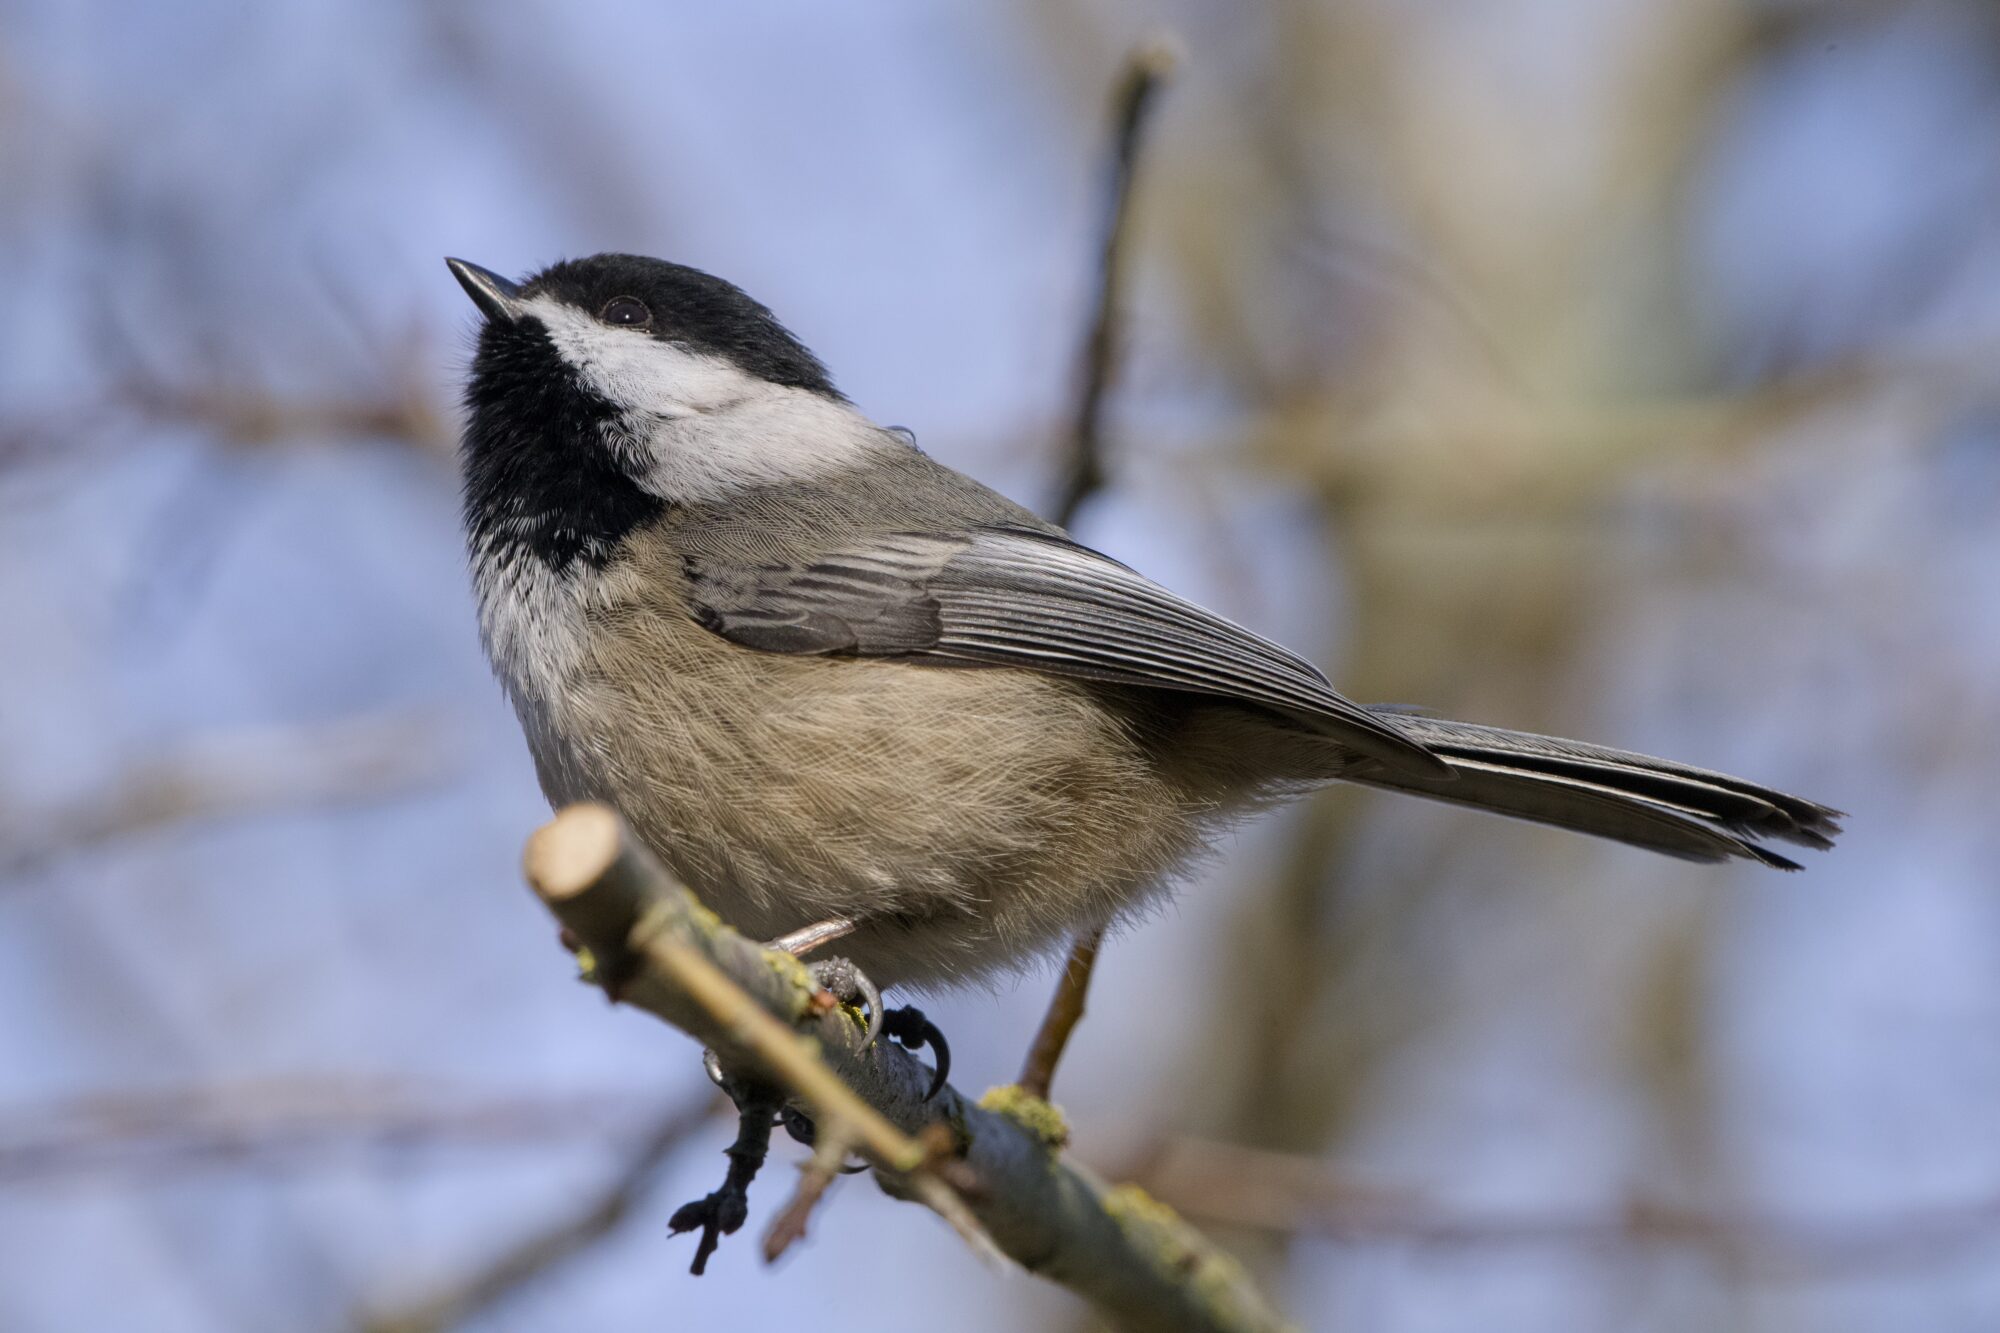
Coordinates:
[1621,368]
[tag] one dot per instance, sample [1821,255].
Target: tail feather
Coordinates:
[1676,809]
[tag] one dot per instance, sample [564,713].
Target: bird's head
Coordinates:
[606,388]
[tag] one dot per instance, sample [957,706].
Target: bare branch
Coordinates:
[789,1227]
[652,945]
[290,1124]
[1146,71]
[237,411]
[1284,1192]
[255,417]
[1065,1012]
[535,1257]
[236,775]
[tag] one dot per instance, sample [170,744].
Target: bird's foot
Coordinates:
[837,976]
[905,1024]
[724,1211]
[851,986]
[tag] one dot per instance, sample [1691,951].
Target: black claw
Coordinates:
[908,1026]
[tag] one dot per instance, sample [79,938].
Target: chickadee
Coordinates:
[829,680]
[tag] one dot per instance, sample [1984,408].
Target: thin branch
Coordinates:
[290,1125]
[1146,71]
[240,774]
[239,412]
[1003,1177]
[534,1258]
[257,417]
[1284,1192]
[1065,1012]
[789,1227]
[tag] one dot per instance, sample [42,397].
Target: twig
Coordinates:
[257,418]
[291,1125]
[1146,70]
[789,1227]
[1065,1012]
[1285,1192]
[655,947]
[537,1256]
[240,413]
[241,774]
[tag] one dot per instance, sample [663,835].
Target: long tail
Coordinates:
[1633,798]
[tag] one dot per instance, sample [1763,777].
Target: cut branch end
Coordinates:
[573,852]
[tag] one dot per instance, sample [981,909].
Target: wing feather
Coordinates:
[1017,597]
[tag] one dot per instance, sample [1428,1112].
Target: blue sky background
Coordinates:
[1618,367]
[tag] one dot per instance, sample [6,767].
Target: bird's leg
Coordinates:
[849,984]
[760,1108]
[801,942]
[722,1212]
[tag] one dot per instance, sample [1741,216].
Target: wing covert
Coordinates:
[1017,597]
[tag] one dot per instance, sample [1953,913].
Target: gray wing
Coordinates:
[1021,598]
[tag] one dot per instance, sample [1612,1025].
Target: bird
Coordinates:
[845,692]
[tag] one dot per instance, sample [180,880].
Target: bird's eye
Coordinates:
[627,310]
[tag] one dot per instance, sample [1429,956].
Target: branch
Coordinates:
[1283,1192]
[1147,69]
[653,946]
[241,774]
[288,1125]
[256,418]
[1065,1012]
[533,1258]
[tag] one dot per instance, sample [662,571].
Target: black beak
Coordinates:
[498,298]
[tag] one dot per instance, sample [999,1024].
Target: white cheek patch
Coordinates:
[703,429]
[772,436]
